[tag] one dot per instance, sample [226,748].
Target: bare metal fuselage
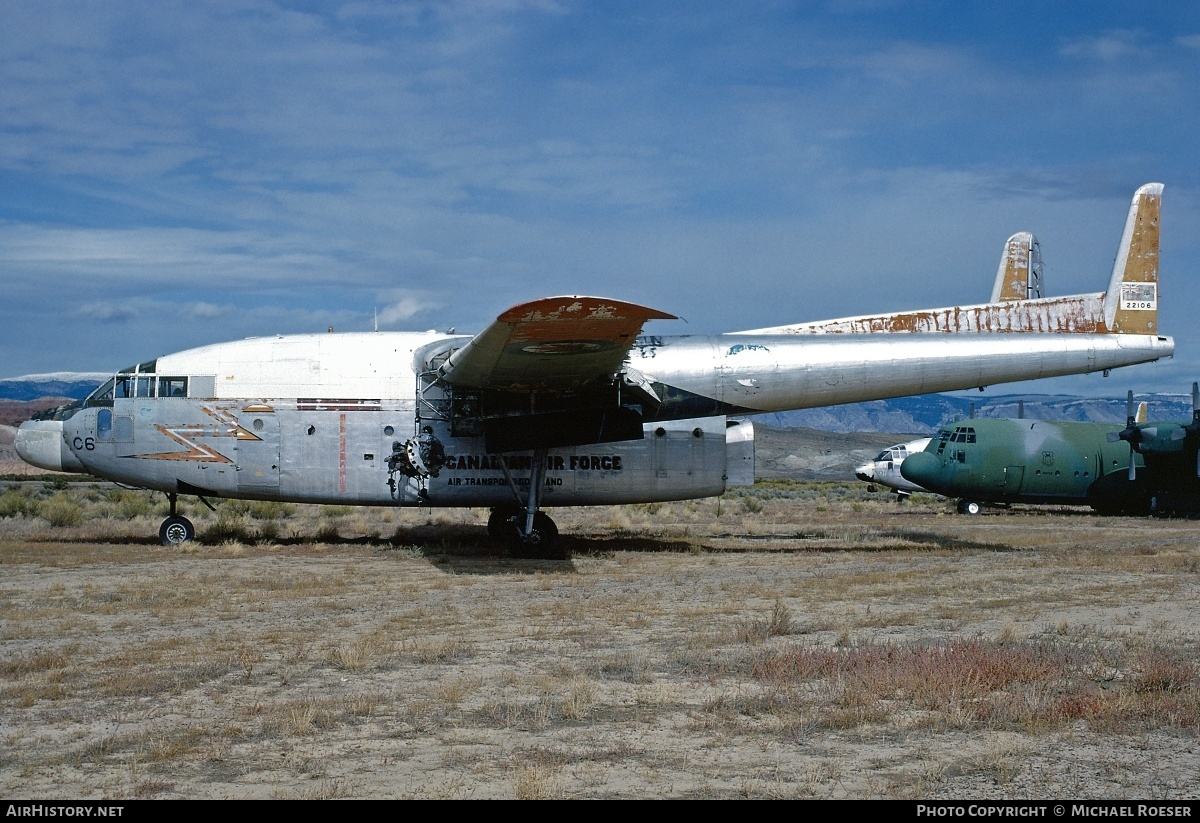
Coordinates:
[325,418]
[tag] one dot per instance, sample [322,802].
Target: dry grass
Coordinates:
[796,640]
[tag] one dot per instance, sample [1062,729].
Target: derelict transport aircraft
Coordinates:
[1147,467]
[1019,277]
[884,469]
[887,468]
[559,401]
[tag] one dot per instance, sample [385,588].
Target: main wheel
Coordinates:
[542,542]
[176,530]
[501,523]
[972,507]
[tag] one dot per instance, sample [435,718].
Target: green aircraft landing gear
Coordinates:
[971,507]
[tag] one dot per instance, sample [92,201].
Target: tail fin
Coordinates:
[1130,306]
[1020,274]
[1131,302]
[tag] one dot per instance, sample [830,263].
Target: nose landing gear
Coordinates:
[176,529]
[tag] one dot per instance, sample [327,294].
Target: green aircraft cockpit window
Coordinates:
[943,438]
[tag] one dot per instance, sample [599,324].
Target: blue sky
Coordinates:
[181,173]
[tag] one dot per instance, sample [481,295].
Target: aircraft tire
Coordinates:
[971,507]
[541,544]
[176,530]
[500,523]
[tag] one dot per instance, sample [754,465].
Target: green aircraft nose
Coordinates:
[922,468]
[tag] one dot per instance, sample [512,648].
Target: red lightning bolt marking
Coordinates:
[342,452]
[186,434]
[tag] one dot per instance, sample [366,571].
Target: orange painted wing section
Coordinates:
[554,343]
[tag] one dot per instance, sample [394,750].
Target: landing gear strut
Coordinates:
[176,529]
[527,531]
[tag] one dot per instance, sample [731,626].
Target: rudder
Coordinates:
[1020,274]
[1131,302]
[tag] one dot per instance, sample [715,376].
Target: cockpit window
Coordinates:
[137,384]
[963,434]
[142,368]
[943,436]
[103,396]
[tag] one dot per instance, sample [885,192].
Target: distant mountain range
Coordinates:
[926,413]
[921,414]
[76,385]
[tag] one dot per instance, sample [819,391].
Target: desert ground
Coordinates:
[800,639]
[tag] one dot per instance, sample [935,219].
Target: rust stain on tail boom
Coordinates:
[1077,314]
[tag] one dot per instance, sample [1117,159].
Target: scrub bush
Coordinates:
[17,503]
[61,511]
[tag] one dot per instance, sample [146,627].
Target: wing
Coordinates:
[556,343]
[545,373]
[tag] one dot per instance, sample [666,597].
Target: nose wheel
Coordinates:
[176,530]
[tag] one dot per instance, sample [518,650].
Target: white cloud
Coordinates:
[403,309]
[1115,45]
[106,312]
[208,310]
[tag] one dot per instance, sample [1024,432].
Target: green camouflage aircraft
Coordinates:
[1141,469]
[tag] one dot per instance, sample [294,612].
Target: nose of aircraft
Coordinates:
[921,468]
[40,443]
[865,472]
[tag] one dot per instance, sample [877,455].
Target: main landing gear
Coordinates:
[528,532]
[971,507]
[176,529]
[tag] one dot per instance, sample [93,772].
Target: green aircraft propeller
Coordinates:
[1149,439]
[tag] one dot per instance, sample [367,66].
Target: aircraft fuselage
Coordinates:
[326,418]
[1064,463]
